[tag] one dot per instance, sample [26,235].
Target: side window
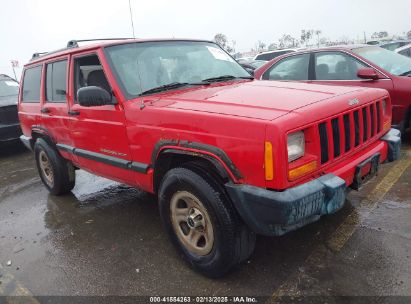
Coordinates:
[56,81]
[31,85]
[88,71]
[336,66]
[290,68]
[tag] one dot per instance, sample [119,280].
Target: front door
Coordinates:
[340,68]
[99,132]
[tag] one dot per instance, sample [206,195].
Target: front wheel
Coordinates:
[56,173]
[202,223]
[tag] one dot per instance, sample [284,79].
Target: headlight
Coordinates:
[295,145]
[384,107]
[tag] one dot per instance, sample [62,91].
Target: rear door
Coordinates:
[54,110]
[30,98]
[99,132]
[340,68]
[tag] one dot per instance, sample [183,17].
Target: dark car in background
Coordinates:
[251,64]
[9,122]
[349,65]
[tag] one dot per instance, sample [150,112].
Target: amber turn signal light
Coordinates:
[300,171]
[387,125]
[268,161]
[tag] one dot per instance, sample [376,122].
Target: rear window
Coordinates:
[8,87]
[31,84]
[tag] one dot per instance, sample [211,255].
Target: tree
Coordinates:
[287,41]
[318,32]
[409,35]
[272,46]
[222,41]
[306,36]
[259,46]
[324,41]
[377,35]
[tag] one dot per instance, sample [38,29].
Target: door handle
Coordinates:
[73,113]
[45,110]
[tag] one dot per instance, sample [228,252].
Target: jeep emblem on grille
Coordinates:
[354,101]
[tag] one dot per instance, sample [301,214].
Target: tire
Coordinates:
[192,204]
[56,173]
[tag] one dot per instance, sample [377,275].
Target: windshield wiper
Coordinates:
[226,77]
[406,74]
[170,86]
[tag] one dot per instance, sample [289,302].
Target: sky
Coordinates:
[29,26]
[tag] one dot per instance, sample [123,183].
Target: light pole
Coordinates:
[14,64]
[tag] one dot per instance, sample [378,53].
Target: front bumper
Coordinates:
[275,213]
[9,132]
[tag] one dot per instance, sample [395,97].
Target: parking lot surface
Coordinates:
[107,239]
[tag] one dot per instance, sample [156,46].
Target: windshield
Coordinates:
[140,67]
[8,88]
[392,62]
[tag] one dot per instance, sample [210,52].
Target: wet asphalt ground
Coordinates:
[107,239]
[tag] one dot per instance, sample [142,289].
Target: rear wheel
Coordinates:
[57,174]
[202,223]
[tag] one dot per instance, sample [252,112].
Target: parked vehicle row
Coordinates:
[355,65]
[269,55]
[393,45]
[228,156]
[9,123]
[404,50]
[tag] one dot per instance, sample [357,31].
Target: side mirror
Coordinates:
[93,96]
[250,71]
[367,73]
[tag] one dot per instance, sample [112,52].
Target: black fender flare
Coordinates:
[214,154]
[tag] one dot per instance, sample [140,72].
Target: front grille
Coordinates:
[341,134]
[336,136]
[8,115]
[324,142]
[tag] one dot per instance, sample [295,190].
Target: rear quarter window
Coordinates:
[31,84]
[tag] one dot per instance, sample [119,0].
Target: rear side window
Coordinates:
[31,84]
[290,68]
[56,83]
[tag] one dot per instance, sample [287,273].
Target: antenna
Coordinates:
[131,18]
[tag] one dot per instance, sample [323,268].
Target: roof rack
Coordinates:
[73,44]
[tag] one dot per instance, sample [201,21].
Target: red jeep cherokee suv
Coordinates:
[228,156]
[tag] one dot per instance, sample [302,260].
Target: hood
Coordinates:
[8,100]
[265,100]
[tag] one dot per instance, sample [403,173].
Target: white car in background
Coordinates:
[267,56]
